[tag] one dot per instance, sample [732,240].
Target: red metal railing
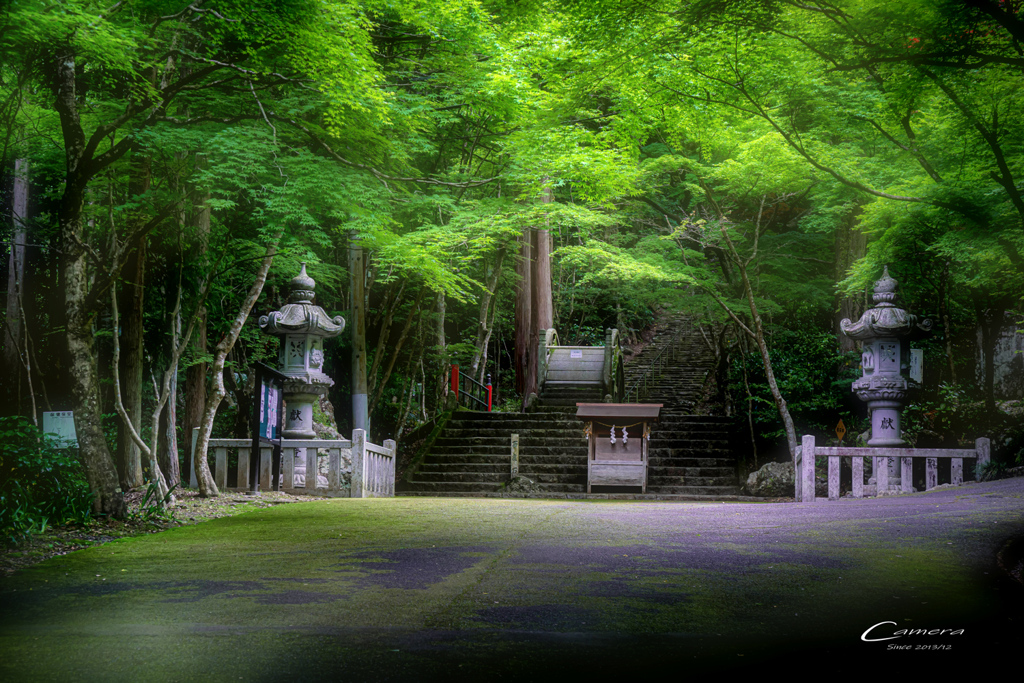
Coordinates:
[470,393]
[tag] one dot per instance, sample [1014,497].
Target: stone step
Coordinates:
[502,468]
[499,444]
[557,458]
[671,446]
[484,419]
[493,432]
[693,461]
[696,490]
[697,471]
[434,487]
[690,456]
[576,478]
[661,482]
[680,497]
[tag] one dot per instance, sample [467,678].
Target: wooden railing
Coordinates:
[581,365]
[366,470]
[808,452]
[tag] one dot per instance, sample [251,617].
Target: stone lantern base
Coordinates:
[885,424]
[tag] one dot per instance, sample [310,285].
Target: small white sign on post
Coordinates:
[917,365]
[62,424]
[515,455]
[577,353]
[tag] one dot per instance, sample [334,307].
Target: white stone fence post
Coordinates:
[372,466]
[806,456]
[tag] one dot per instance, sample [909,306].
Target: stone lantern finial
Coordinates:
[303,288]
[885,289]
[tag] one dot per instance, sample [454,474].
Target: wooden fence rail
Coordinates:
[808,452]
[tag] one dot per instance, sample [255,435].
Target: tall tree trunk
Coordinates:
[526,381]
[485,345]
[947,322]
[83,377]
[416,357]
[207,487]
[441,344]
[990,321]
[850,246]
[195,375]
[390,309]
[397,349]
[165,392]
[485,315]
[534,310]
[129,456]
[357,282]
[168,446]
[13,343]
[543,313]
[155,473]
[543,308]
[762,346]
[757,333]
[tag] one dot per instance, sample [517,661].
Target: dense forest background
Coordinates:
[167,165]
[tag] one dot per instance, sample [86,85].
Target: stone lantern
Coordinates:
[884,331]
[302,327]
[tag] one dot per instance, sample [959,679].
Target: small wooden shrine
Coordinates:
[618,434]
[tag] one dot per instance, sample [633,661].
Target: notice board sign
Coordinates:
[61,425]
[267,419]
[270,409]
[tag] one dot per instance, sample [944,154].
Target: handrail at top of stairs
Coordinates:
[470,393]
[658,360]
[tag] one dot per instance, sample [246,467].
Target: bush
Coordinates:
[953,416]
[813,377]
[40,484]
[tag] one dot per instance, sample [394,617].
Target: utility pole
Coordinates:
[357,275]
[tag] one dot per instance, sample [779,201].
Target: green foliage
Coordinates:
[40,485]
[154,508]
[665,147]
[812,375]
[954,415]
[951,417]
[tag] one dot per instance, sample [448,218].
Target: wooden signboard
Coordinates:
[618,434]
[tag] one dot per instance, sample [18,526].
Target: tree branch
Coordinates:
[369,169]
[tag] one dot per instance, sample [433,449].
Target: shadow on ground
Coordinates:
[453,589]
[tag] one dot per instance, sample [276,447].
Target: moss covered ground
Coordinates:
[498,589]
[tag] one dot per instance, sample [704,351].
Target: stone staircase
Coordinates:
[472,455]
[691,457]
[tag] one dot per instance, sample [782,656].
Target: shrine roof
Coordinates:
[645,411]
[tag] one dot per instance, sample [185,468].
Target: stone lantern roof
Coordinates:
[885,319]
[300,315]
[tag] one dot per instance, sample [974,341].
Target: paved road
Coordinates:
[455,589]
